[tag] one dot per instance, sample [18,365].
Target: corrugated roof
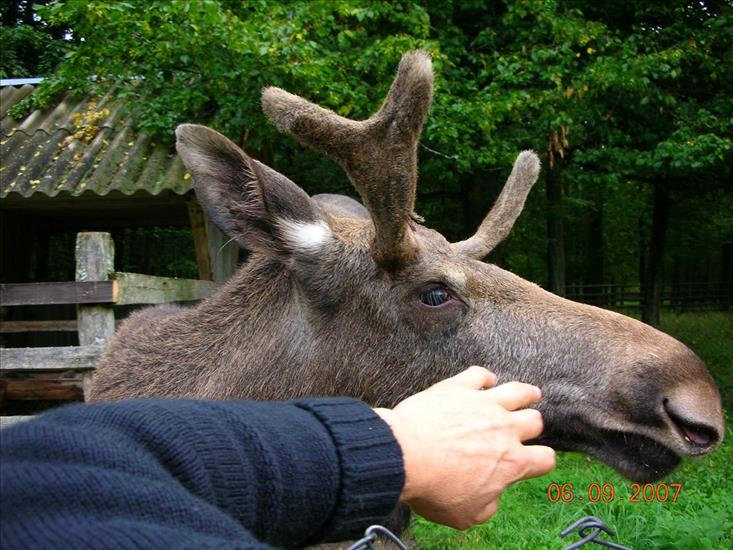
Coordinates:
[79,146]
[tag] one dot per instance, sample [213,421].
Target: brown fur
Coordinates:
[332,303]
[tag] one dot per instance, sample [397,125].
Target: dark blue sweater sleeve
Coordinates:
[194,474]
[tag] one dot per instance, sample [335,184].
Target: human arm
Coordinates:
[233,474]
[162,474]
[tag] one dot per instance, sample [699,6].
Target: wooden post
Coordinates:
[217,256]
[201,245]
[94,262]
[224,253]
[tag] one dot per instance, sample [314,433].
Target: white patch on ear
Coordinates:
[305,237]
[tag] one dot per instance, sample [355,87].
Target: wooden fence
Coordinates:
[65,372]
[680,297]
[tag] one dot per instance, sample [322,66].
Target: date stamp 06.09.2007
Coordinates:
[607,492]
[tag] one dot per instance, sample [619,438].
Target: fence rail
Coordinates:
[11,327]
[677,297]
[123,289]
[50,359]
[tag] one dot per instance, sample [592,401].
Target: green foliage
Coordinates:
[28,52]
[615,96]
[207,61]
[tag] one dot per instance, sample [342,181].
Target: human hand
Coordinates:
[462,447]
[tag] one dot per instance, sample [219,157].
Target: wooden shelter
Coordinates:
[79,165]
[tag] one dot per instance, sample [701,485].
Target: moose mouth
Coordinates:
[643,451]
[643,459]
[635,456]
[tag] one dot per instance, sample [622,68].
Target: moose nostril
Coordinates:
[696,433]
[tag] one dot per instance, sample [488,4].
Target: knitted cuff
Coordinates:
[372,470]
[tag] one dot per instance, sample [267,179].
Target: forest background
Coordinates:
[630,105]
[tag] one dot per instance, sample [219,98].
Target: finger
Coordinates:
[473,378]
[515,395]
[528,423]
[540,460]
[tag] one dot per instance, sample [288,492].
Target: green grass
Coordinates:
[702,517]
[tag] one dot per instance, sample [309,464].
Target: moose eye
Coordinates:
[435,296]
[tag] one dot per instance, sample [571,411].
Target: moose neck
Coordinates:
[262,320]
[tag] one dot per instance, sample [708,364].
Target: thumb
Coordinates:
[473,378]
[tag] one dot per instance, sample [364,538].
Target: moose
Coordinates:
[337,298]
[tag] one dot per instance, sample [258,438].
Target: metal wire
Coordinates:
[370,537]
[595,525]
[588,528]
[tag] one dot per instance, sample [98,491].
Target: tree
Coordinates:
[31,47]
[673,129]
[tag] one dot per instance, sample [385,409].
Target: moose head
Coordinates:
[343,299]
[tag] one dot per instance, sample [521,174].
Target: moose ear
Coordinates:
[252,204]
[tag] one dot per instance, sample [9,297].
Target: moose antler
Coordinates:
[379,154]
[499,221]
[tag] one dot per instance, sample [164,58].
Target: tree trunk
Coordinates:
[654,283]
[479,191]
[555,238]
[594,273]
[679,278]
[726,276]
[642,252]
